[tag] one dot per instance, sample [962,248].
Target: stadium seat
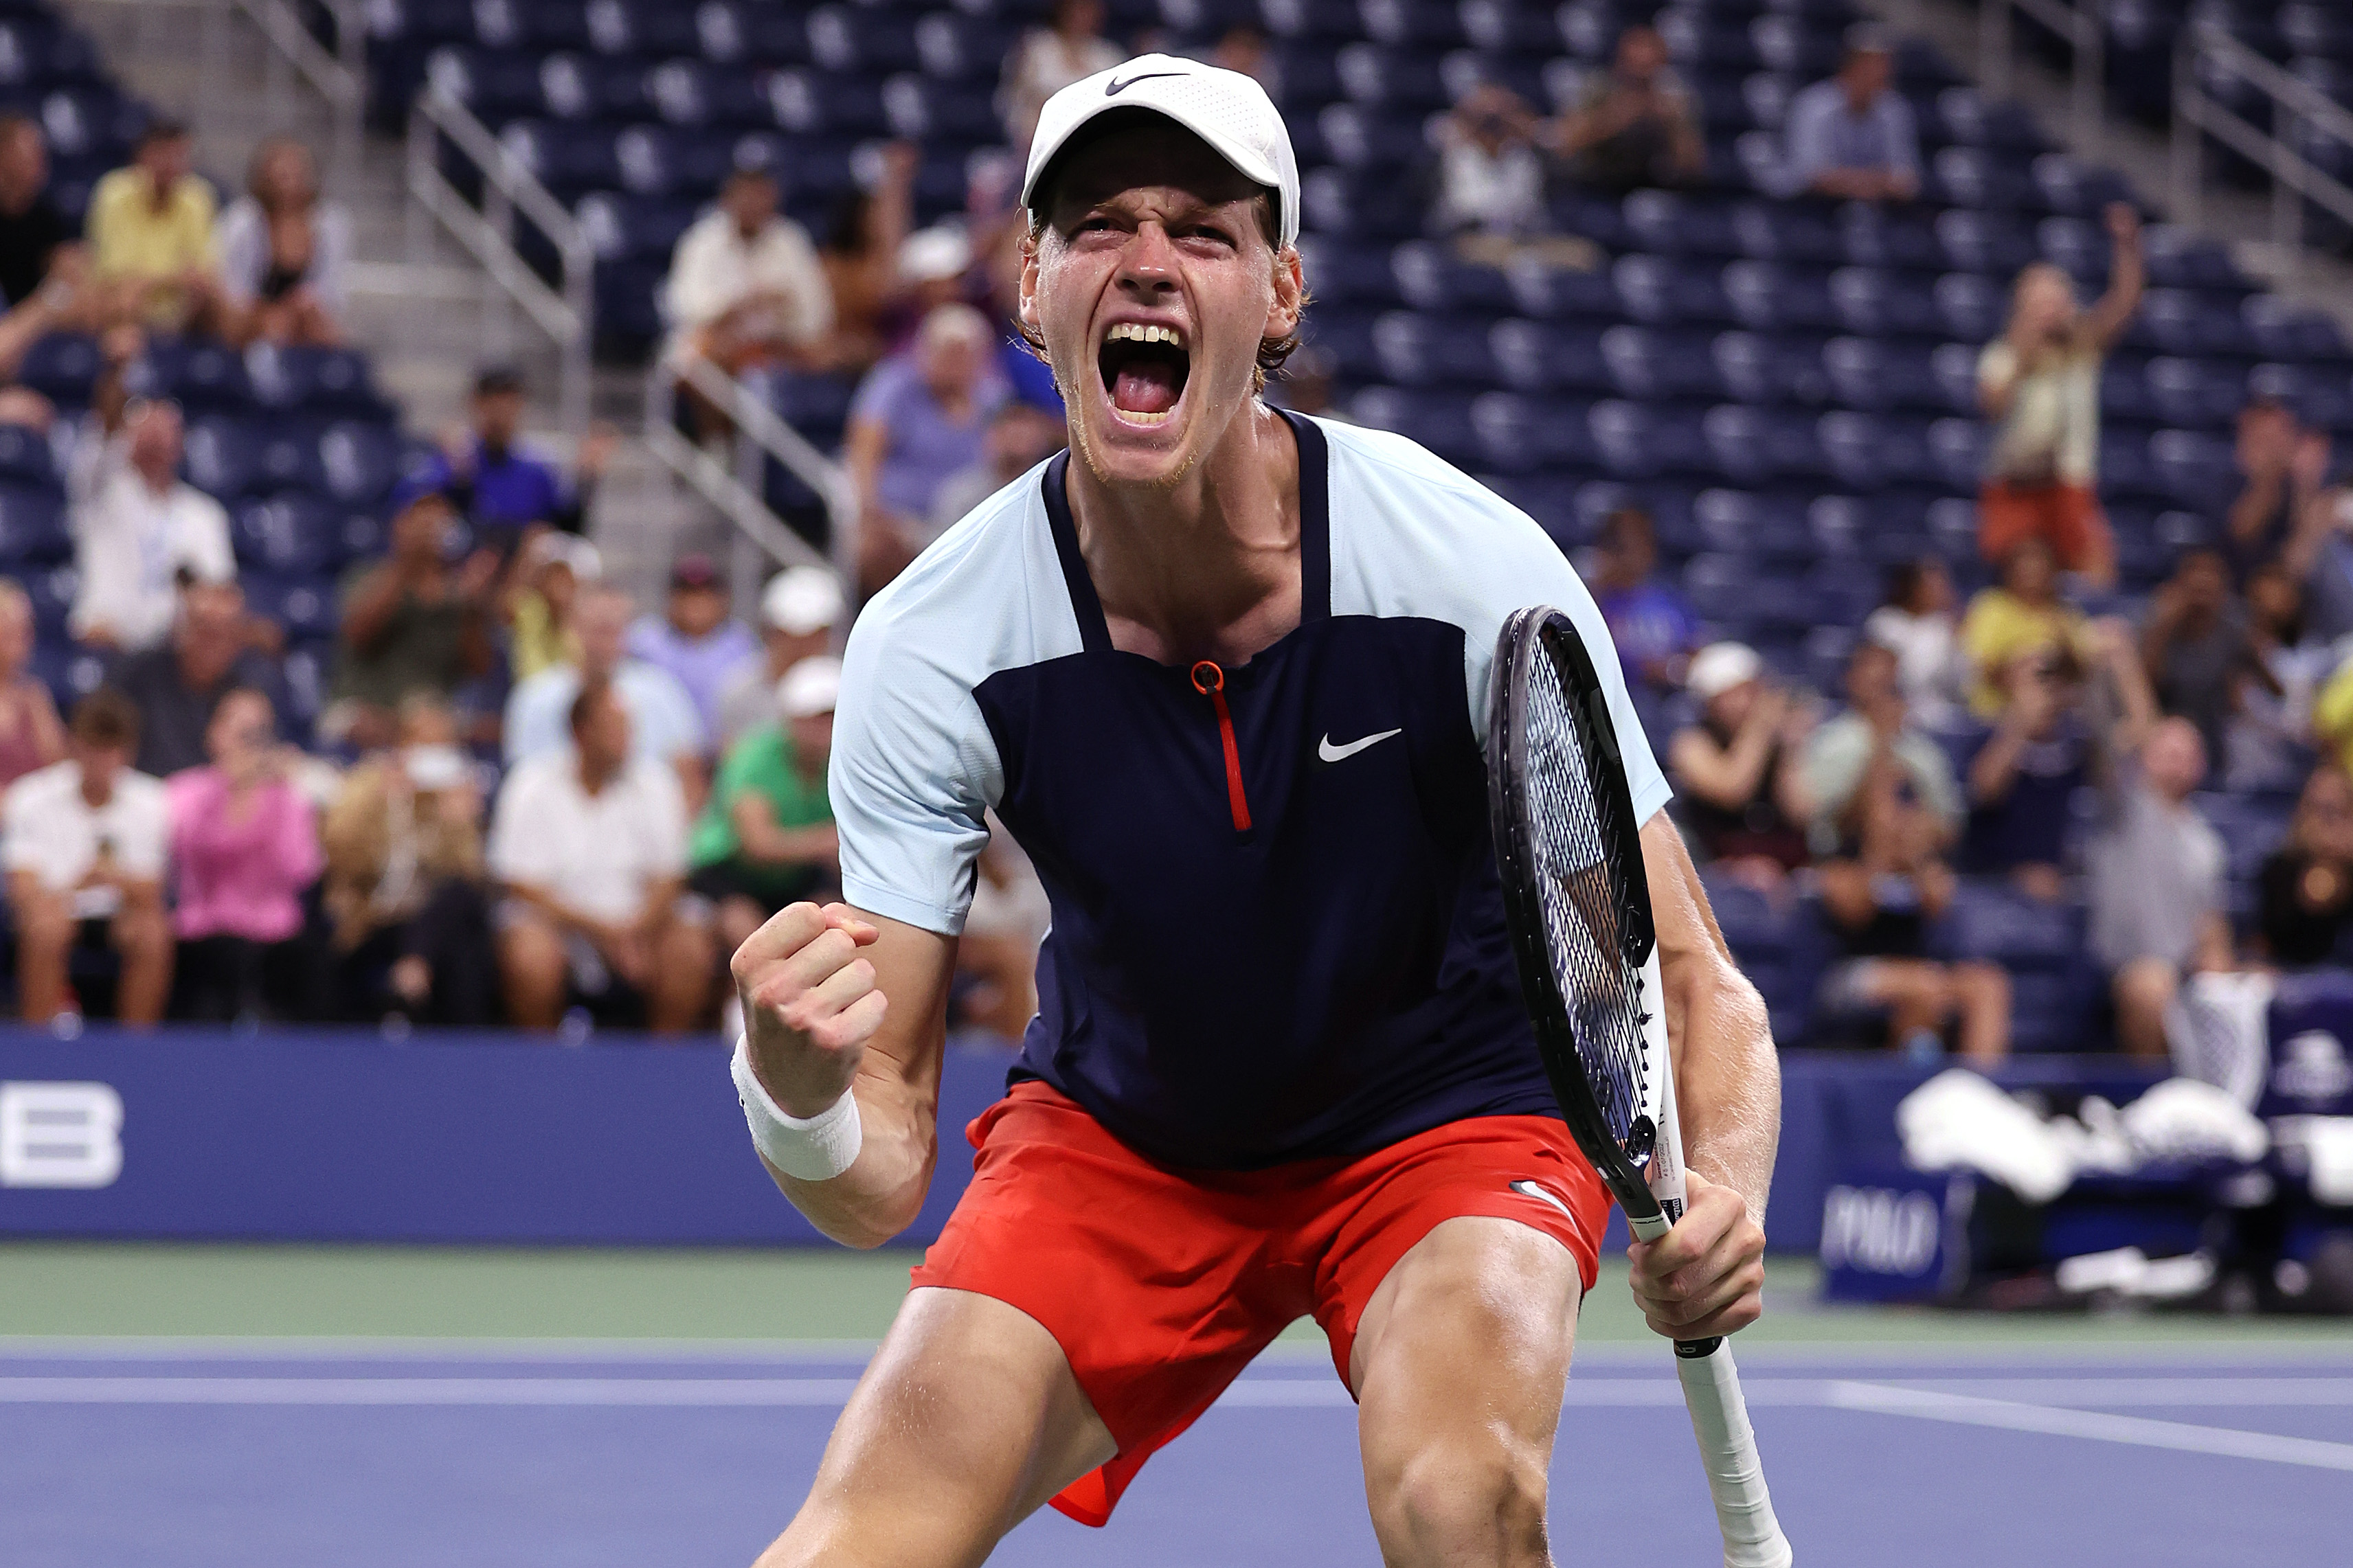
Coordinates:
[305,606]
[1428,276]
[1768,296]
[1970,307]
[953,47]
[1659,292]
[1873,303]
[1765,369]
[1441,421]
[62,367]
[1515,433]
[1995,243]
[1645,362]
[32,526]
[1761,446]
[26,458]
[1558,293]
[1421,350]
[290,535]
[1349,274]
[1639,441]
[1667,224]
[1875,236]
[1766,526]
[312,380]
[1544,357]
[837,104]
[358,461]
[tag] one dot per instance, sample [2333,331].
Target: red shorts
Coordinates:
[2068,517]
[1161,1285]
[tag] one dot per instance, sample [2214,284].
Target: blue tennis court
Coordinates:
[166,1454]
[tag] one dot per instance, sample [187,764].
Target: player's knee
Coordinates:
[1452,1502]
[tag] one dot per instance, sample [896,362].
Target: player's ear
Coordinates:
[1026,308]
[1290,294]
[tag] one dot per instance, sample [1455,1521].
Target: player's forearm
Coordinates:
[1727,1079]
[880,1195]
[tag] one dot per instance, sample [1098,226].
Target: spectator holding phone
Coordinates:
[1634,124]
[2022,616]
[84,847]
[284,252]
[2305,893]
[1915,621]
[244,848]
[1739,772]
[413,622]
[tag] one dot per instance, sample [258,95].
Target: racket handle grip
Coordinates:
[1728,1446]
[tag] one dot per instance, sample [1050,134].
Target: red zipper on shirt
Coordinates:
[1210,682]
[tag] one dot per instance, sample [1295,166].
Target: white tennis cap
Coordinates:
[810,688]
[1226,109]
[802,600]
[1721,666]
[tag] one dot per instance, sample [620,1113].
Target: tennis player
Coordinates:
[1223,673]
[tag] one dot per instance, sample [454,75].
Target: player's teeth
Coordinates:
[1135,418]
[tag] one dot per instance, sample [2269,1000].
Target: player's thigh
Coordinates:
[966,1424]
[1460,1363]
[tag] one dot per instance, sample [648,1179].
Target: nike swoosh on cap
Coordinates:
[1115,87]
[1332,754]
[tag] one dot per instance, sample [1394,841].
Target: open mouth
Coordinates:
[1144,369]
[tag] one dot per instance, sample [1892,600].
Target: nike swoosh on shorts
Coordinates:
[1115,87]
[1332,754]
[1529,1189]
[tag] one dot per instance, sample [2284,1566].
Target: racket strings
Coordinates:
[1583,894]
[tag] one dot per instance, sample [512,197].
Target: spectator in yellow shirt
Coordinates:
[151,237]
[2022,616]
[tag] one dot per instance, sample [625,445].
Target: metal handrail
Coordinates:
[2295,104]
[2084,26]
[341,82]
[737,493]
[568,318]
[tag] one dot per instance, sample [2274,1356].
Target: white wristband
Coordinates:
[815,1149]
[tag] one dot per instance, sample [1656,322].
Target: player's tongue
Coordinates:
[1144,388]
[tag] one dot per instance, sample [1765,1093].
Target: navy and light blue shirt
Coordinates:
[1826,136]
[1327,981]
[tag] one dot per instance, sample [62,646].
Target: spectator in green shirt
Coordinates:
[767,837]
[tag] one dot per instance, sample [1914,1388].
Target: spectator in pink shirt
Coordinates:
[243,846]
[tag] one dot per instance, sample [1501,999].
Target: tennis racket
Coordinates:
[1579,906]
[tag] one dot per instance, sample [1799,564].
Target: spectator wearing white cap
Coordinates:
[766,837]
[695,638]
[798,611]
[1739,772]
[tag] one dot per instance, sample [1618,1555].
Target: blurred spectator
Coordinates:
[178,685]
[1636,123]
[86,843]
[798,610]
[1915,623]
[1853,137]
[1242,49]
[2275,722]
[1048,60]
[1489,187]
[284,254]
[2026,774]
[548,579]
[30,735]
[861,257]
[2022,617]
[933,265]
[1020,436]
[2154,870]
[1738,770]
[1875,735]
[2275,490]
[244,849]
[1881,896]
[2196,645]
[502,484]
[588,843]
[150,237]
[997,955]
[2305,893]
[139,529]
[412,623]
[921,418]
[663,723]
[745,287]
[766,838]
[1651,623]
[31,226]
[2040,382]
[695,638]
[403,884]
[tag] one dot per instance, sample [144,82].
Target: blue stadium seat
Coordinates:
[2191,392]
[650,28]
[1358,136]
[1868,451]
[1980,178]
[2125,468]
[1441,421]
[1304,19]
[358,461]
[1763,446]
[1765,369]
[305,606]
[1541,356]
[1557,293]
[1516,434]
[1428,276]
[567,159]
[1963,115]
[1970,307]
[224,457]
[1366,205]
[955,47]
[2182,322]
[1420,350]
[2284,330]
[1638,441]
[622,227]
[836,103]
[1871,302]
[1766,526]
[314,381]
[1869,373]
[1401,80]
[33,526]
[1646,363]
[2078,246]
[2320,397]
[1349,274]
[1769,297]
[1958,445]
[2069,185]
[1988,242]
[52,590]
[291,535]
[1659,292]
[495,85]
[688,92]
[1412,23]
[1843,592]
[2196,468]
[661,161]
[1786,232]
[574,87]
[537,25]
[1667,224]
[2178,258]
[2126,392]
[1347,336]
[89,122]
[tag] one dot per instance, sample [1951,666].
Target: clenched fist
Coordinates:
[810,1003]
[1705,1277]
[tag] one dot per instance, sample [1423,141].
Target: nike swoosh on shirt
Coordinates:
[1115,87]
[1332,754]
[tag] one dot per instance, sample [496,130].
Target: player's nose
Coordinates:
[1147,262]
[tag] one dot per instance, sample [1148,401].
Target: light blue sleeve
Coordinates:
[669,725]
[1411,535]
[539,714]
[1809,138]
[910,780]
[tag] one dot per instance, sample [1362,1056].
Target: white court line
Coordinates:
[2139,1430]
[497,1391]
